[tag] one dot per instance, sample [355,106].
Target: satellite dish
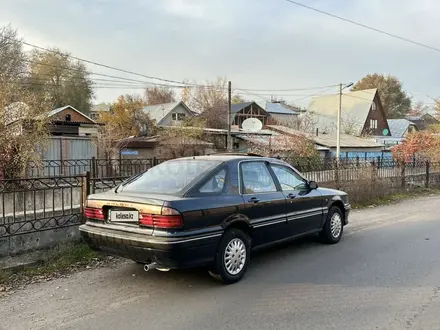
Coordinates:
[252,125]
[385,131]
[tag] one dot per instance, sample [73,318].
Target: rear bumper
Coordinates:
[166,252]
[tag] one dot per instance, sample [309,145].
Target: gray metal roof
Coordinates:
[240,106]
[272,107]
[329,140]
[158,112]
[399,127]
[347,141]
[355,109]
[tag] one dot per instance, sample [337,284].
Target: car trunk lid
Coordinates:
[147,211]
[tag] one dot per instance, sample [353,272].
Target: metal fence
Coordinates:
[40,204]
[113,168]
[98,168]
[37,204]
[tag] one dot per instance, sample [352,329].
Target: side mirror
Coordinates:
[313,185]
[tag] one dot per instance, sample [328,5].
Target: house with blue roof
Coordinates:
[280,113]
[399,129]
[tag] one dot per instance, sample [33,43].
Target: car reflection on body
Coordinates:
[211,211]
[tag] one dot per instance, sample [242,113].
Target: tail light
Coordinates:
[169,218]
[94,213]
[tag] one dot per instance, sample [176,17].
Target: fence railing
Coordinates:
[39,204]
[111,168]
[98,168]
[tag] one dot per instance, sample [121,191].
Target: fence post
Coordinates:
[427,174]
[336,167]
[93,168]
[357,161]
[85,190]
[373,174]
[402,174]
[87,184]
[154,162]
[378,161]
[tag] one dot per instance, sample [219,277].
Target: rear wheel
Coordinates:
[333,228]
[232,256]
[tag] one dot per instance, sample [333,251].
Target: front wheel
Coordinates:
[232,256]
[331,233]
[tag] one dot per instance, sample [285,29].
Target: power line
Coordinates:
[364,26]
[268,95]
[316,94]
[284,90]
[186,84]
[101,74]
[102,65]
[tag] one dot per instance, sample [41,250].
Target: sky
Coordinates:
[257,44]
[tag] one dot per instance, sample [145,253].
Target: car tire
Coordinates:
[333,228]
[232,256]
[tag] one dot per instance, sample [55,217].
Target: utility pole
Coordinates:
[229,138]
[338,128]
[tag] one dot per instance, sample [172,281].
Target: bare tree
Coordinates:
[291,146]
[159,95]
[307,122]
[24,131]
[184,140]
[350,125]
[211,100]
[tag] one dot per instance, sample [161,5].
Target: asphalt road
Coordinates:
[384,274]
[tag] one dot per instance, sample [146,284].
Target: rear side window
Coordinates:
[172,176]
[256,178]
[215,184]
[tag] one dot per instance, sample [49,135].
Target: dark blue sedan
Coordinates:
[211,211]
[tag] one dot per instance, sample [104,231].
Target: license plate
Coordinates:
[124,216]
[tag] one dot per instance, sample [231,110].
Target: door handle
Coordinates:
[291,196]
[254,200]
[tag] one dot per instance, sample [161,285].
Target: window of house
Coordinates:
[256,178]
[68,117]
[373,123]
[178,116]
[373,106]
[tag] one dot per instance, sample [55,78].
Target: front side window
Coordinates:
[288,179]
[172,176]
[215,184]
[373,123]
[256,178]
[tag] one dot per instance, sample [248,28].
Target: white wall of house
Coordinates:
[169,119]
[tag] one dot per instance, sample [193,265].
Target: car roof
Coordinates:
[230,157]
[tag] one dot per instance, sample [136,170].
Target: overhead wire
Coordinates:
[182,84]
[364,25]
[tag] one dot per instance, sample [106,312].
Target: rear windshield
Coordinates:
[172,176]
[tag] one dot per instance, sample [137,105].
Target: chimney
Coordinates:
[317,131]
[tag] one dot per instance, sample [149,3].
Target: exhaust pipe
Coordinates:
[148,267]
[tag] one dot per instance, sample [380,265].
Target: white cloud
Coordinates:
[185,8]
[255,43]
